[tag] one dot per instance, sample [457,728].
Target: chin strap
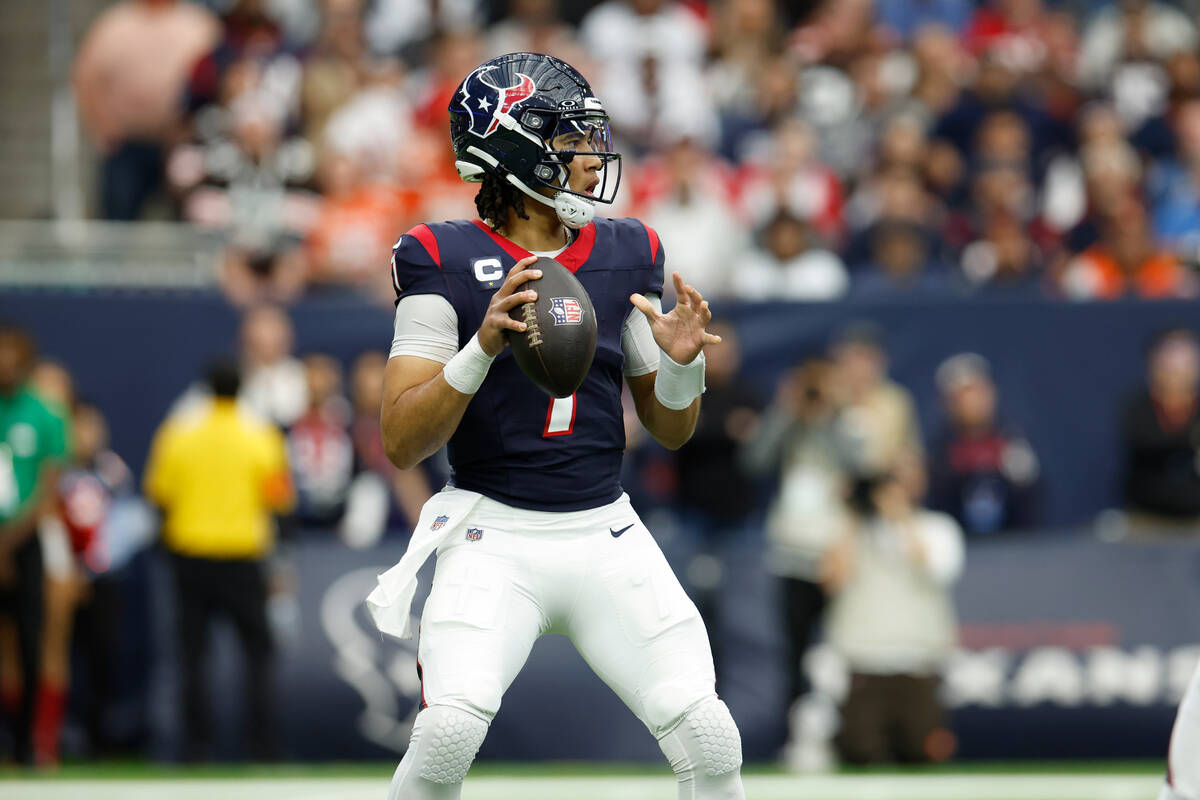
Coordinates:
[572,210]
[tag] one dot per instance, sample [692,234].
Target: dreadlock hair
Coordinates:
[494,199]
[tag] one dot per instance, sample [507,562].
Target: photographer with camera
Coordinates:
[891,617]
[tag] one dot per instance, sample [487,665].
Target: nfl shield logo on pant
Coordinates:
[474,534]
[439,522]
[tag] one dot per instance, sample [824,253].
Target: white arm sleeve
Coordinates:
[426,326]
[637,341]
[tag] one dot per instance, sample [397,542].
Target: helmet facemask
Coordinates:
[582,134]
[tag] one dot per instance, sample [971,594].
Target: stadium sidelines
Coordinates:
[597,787]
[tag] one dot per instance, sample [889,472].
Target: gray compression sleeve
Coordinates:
[426,326]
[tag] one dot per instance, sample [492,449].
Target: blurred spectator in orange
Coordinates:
[981,473]
[1161,429]
[1127,260]
[35,445]
[790,264]
[274,384]
[359,222]
[129,80]
[319,446]
[649,60]
[891,617]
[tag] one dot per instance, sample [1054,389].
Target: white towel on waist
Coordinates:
[390,602]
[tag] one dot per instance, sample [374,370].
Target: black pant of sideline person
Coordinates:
[237,590]
[23,602]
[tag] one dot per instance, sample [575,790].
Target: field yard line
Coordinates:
[758,787]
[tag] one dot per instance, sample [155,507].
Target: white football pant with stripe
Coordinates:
[505,577]
[1183,757]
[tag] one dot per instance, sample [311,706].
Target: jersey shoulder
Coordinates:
[637,242]
[421,256]
[631,232]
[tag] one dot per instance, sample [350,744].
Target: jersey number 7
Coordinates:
[560,417]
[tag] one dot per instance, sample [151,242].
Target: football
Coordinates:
[556,350]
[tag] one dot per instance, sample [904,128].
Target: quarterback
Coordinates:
[1183,757]
[533,534]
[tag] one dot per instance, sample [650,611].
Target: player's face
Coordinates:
[583,171]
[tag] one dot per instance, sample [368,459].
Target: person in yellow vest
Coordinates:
[219,475]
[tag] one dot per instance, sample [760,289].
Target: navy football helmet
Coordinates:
[522,116]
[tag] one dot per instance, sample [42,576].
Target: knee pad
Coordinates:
[706,748]
[445,740]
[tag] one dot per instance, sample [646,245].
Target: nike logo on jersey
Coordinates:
[615,534]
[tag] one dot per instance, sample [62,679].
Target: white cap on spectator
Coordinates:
[959,370]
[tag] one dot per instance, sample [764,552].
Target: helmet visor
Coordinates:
[582,158]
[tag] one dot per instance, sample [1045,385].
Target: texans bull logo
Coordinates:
[496,100]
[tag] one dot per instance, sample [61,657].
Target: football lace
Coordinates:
[533,331]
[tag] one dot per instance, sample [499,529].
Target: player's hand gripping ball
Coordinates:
[557,346]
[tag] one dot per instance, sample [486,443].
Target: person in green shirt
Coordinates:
[33,443]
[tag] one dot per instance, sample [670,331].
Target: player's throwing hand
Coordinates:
[496,321]
[680,332]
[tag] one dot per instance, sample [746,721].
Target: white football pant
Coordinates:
[506,577]
[1183,757]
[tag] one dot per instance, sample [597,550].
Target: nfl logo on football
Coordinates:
[566,311]
[439,523]
[474,534]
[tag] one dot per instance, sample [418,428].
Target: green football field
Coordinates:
[1067,781]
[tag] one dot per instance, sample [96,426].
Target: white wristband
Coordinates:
[677,385]
[466,371]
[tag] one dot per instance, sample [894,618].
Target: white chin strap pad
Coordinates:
[573,211]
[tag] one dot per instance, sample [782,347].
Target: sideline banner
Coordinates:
[1071,648]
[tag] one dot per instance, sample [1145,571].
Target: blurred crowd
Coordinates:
[783,150]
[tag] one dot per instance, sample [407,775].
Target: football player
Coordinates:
[1183,758]
[534,534]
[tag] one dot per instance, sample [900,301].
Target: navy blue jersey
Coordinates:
[515,444]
